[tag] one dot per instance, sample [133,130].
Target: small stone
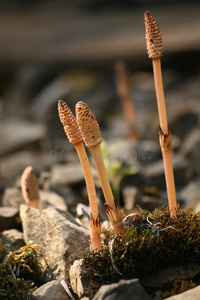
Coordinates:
[183,172]
[17,133]
[9,218]
[14,164]
[51,199]
[67,174]
[13,239]
[52,290]
[190,148]
[78,278]
[192,294]
[184,123]
[13,197]
[151,203]
[71,197]
[191,195]
[131,196]
[123,290]
[60,238]
[181,272]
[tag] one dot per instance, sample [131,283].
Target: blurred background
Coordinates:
[51,50]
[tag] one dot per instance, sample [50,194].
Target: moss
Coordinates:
[172,241]
[20,271]
[176,287]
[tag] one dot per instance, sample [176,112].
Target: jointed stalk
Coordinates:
[92,138]
[72,130]
[155,51]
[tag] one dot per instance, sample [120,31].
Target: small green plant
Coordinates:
[115,167]
[20,271]
[152,243]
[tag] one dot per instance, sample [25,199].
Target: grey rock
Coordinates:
[78,279]
[17,133]
[151,203]
[190,148]
[9,217]
[184,123]
[61,239]
[71,197]
[51,199]
[191,195]
[192,294]
[67,174]
[183,172]
[13,197]
[52,290]
[13,239]
[147,152]
[131,195]
[123,290]
[14,164]
[181,272]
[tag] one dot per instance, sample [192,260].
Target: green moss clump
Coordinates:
[20,271]
[145,247]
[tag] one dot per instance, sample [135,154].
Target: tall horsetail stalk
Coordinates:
[92,137]
[72,131]
[155,52]
[123,91]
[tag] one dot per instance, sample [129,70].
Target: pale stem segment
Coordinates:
[95,222]
[88,179]
[101,170]
[160,94]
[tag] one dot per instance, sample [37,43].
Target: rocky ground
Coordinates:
[31,134]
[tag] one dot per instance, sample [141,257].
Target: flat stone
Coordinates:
[190,148]
[181,272]
[192,294]
[131,195]
[123,290]
[52,290]
[71,197]
[191,195]
[67,174]
[9,218]
[150,203]
[13,197]
[13,239]
[51,199]
[61,239]
[14,164]
[17,133]
[182,172]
